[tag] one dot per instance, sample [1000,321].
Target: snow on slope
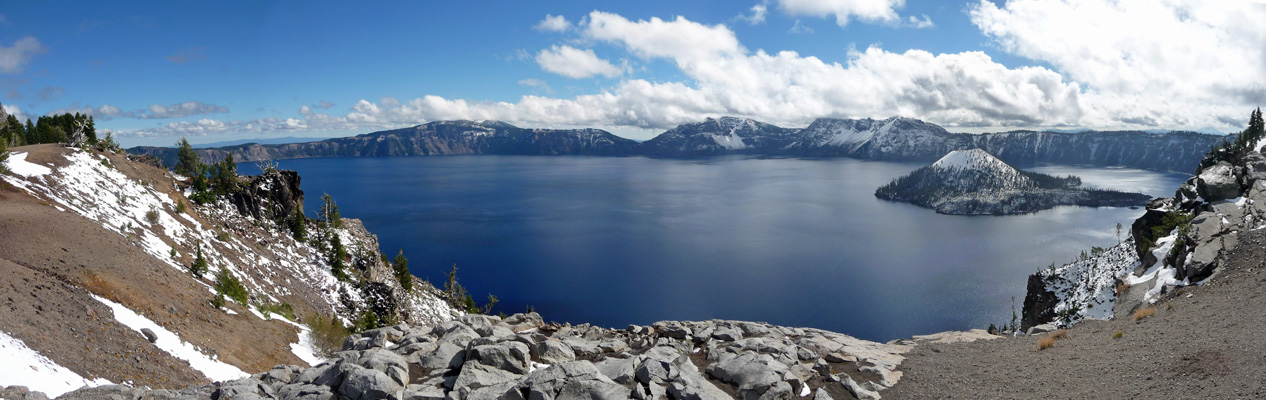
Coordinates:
[171,343]
[19,365]
[1089,285]
[18,164]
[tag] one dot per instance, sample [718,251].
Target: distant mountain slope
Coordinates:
[892,139]
[435,138]
[974,182]
[716,136]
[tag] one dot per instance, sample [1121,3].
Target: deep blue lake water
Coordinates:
[617,241]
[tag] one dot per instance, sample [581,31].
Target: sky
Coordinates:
[152,72]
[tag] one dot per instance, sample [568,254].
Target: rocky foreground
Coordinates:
[521,357]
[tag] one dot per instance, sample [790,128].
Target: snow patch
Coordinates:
[18,164]
[171,343]
[26,367]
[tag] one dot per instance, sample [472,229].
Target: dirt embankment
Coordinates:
[1203,342]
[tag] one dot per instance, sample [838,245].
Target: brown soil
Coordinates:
[1204,342]
[51,260]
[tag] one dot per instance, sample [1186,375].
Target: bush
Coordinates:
[1144,313]
[1060,334]
[152,216]
[1045,342]
[229,286]
[180,207]
[221,235]
[1118,334]
[283,309]
[327,336]
[218,301]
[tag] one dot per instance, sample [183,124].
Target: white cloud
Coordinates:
[1164,60]
[757,15]
[800,28]
[679,38]
[155,111]
[845,10]
[536,83]
[917,23]
[553,23]
[575,63]
[15,57]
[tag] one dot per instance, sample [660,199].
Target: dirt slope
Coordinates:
[1204,342]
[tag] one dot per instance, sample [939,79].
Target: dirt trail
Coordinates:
[1204,342]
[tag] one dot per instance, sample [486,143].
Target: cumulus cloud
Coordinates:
[575,63]
[14,58]
[719,76]
[845,10]
[553,23]
[1156,56]
[916,23]
[188,55]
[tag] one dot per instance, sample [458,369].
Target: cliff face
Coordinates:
[893,139]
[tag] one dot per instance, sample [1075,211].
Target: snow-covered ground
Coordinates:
[1089,285]
[171,343]
[19,365]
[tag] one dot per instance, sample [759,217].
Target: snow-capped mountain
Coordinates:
[975,182]
[897,138]
[716,136]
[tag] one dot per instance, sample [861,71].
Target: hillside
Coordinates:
[97,248]
[892,139]
[974,182]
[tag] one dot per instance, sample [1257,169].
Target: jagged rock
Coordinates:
[1043,328]
[20,393]
[863,391]
[365,384]
[241,388]
[821,394]
[423,392]
[546,383]
[672,329]
[655,371]
[620,370]
[553,352]
[727,333]
[106,392]
[272,195]
[1254,168]
[502,391]
[1218,182]
[692,385]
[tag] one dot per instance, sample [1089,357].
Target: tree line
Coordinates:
[45,129]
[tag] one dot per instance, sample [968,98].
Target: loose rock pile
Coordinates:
[521,357]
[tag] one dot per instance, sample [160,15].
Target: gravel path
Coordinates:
[1204,342]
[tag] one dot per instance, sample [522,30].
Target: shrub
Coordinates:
[221,235]
[1118,334]
[1045,342]
[327,336]
[1144,313]
[229,286]
[180,207]
[152,216]
[1060,334]
[267,308]
[199,266]
[218,301]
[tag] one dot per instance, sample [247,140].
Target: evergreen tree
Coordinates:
[299,226]
[224,176]
[90,129]
[337,254]
[31,136]
[4,155]
[17,134]
[329,212]
[187,162]
[199,266]
[401,266]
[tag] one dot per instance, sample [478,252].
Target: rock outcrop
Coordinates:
[974,182]
[521,357]
[273,195]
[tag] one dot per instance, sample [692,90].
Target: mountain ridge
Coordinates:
[893,139]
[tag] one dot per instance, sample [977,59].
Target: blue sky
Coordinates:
[152,72]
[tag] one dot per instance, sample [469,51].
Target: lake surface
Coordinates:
[801,242]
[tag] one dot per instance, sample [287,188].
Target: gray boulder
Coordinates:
[475,375]
[752,373]
[366,384]
[149,335]
[1218,182]
[509,356]
[446,355]
[553,352]
[305,392]
[593,390]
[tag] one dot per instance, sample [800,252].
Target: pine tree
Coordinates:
[337,254]
[299,226]
[4,155]
[199,266]
[401,266]
[187,162]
